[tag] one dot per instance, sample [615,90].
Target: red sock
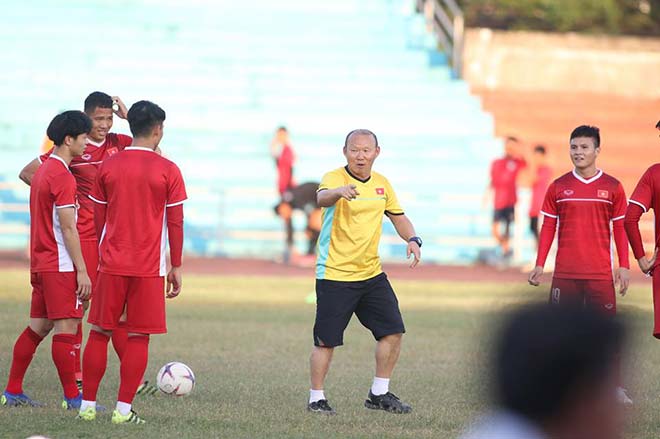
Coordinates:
[64,357]
[133,365]
[24,348]
[119,340]
[76,349]
[95,359]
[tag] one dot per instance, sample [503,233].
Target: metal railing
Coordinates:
[445,19]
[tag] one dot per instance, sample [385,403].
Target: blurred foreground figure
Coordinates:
[554,376]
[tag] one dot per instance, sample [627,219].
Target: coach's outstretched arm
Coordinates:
[328,197]
[406,230]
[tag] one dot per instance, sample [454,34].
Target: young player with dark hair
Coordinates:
[132,257]
[58,273]
[589,206]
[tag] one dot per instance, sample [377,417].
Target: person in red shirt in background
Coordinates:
[282,152]
[132,267]
[541,175]
[58,273]
[101,144]
[586,202]
[645,197]
[503,183]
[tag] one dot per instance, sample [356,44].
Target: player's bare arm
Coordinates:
[328,197]
[119,108]
[174,282]
[405,229]
[67,217]
[535,276]
[28,171]
[622,280]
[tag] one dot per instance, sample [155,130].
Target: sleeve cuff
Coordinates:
[96,200]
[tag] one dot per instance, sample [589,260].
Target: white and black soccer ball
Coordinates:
[175,379]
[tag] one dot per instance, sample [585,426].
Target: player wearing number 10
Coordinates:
[349,278]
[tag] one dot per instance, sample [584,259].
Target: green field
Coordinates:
[248,341]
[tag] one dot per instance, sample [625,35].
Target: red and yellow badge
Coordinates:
[112,151]
[603,194]
[380,190]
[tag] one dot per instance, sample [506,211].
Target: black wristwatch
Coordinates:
[417,240]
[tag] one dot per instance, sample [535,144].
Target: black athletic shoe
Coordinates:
[321,406]
[388,402]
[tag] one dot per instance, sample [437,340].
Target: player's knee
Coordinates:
[41,326]
[66,326]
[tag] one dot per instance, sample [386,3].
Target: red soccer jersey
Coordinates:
[539,186]
[84,169]
[503,174]
[285,169]
[585,210]
[53,187]
[137,186]
[647,196]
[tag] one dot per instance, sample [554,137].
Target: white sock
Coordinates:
[316,395]
[84,405]
[380,386]
[123,408]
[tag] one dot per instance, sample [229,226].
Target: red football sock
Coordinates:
[133,365]
[24,348]
[76,349]
[119,339]
[64,357]
[95,360]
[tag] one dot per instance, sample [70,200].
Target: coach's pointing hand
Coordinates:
[174,281]
[84,289]
[621,280]
[348,192]
[535,276]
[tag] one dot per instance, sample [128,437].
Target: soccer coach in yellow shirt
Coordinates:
[349,277]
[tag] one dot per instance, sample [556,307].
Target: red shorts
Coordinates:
[596,294]
[143,298]
[54,296]
[90,252]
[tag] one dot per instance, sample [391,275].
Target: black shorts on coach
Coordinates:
[372,300]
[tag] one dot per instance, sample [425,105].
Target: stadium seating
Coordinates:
[228,73]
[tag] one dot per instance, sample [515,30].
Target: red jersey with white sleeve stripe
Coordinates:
[585,210]
[136,186]
[84,169]
[53,187]
[647,196]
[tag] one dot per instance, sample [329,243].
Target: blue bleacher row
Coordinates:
[228,73]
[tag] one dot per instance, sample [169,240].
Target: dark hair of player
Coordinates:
[540,149]
[282,128]
[587,131]
[544,353]
[360,132]
[70,123]
[143,117]
[657,125]
[97,99]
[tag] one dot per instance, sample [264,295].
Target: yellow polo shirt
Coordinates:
[347,248]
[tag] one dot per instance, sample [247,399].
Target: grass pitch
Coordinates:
[248,341]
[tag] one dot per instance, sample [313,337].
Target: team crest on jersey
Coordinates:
[603,194]
[86,156]
[380,190]
[112,151]
[568,192]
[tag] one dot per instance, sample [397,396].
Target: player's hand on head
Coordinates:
[622,280]
[84,289]
[119,108]
[174,282]
[413,249]
[535,276]
[349,192]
